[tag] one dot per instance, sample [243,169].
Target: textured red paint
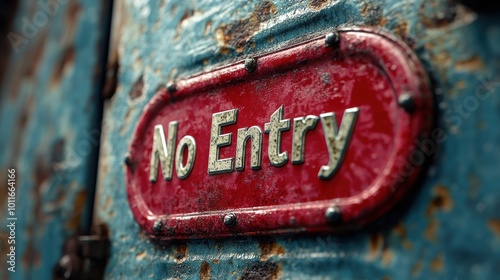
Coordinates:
[368,70]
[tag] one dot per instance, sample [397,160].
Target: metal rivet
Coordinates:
[407,102]
[332,39]
[171,87]
[333,215]
[158,226]
[128,160]
[250,64]
[230,219]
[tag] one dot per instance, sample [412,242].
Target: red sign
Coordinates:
[321,136]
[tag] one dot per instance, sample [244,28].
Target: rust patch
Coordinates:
[402,28]
[269,249]
[318,4]
[236,35]
[180,251]
[65,62]
[431,230]
[494,225]
[400,230]
[440,19]
[376,241]
[205,271]
[111,81]
[261,271]
[441,201]
[137,89]
[36,55]
[22,121]
[42,174]
[472,64]
[73,12]
[437,263]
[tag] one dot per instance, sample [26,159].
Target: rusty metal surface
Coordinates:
[449,229]
[50,115]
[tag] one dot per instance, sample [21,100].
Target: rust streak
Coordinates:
[437,263]
[318,4]
[441,201]
[269,249]
[137,89]
[494,225]
[65,62]
[471,64]
[236,35]
[205,271]
[180,251]
[79,203]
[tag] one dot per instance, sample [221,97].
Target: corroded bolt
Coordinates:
[158,226]
[407,102]
[171,87]
[230,219]
[332,39]
[333,215]
[250,64]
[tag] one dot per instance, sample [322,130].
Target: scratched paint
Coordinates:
[447,230]
[49,109]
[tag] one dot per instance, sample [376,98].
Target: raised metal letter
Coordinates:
[163,152]
[300,127]
[184,170]
[217,140]
[337,139]
[244,134]
[274,128]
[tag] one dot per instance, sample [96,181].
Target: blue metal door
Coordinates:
[448,228]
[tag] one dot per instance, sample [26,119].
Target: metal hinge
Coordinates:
[84,256]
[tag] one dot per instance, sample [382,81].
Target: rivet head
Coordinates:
[158,226]
[230,219]
[407,102]
[250,64]
[332,39]
[128,159]
[171,87]
[333,215]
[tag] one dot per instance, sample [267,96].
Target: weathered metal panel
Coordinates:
[50,115]
[450,229]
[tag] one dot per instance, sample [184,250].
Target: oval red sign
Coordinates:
[316,137]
